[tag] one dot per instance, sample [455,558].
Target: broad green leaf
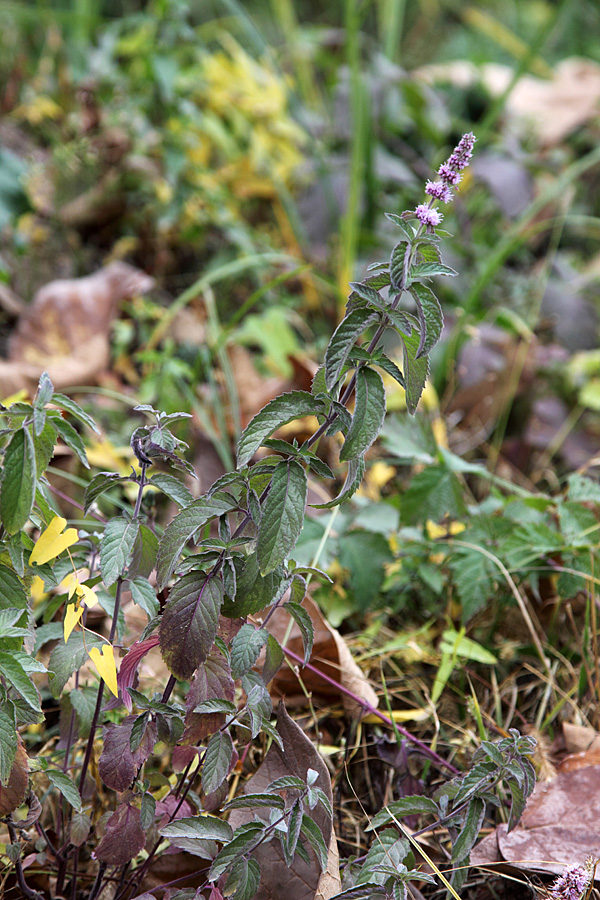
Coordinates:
[15,675]
[53,541]
[431,317]
[430,270]
[343,340]
[189,622]
[245,839]
[294,826]
[398,265]
[144,553]
[245,648]
[406,227]
[65,402]
[71,438]
[18,481]
[100,483]
[43,396]
[173,488]
[407,806]
[354,476]
[304,622]
[8,743]
[217,761]
[205,828]
[44,443]
[273,659]
[255,801]
[64,784]
[144,594]
[184,526]
[68,658]
[312,833]
[12,592]
[390,367]
[253,590]
[116,547]
[282,515]
[216,706]
[469,832]
[280,411]
[416,371]
[243,879]
[368,293]
[368,416]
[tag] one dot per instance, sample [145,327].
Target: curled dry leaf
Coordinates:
[300,881]
[560,826]
[12,794]
[330,655]
[65,331]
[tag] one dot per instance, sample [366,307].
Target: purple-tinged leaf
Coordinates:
[124,837]
[118,764]
[129,666]
[190,621]
[245,648]
[212,681]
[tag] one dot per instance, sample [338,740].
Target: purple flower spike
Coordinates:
[428,216]
[439,190]
[571,884]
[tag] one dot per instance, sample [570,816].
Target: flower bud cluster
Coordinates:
[449,174]
[571,885]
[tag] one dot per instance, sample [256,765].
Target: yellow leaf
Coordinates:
[37,590]
[86,595]
[73,614]
[52,541]
[107,669]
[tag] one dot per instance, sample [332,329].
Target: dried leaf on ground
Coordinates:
[12,793]
[65,331]
[330,655]
[300,881]
[560,826]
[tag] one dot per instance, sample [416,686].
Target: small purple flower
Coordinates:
[428,216]
[439,190]
[571,884]
[448,174]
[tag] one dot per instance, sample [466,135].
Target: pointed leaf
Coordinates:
[416,371]
[68,658]
[124,837]
[304,622]
[116,547]
[278,412]
[71,438]
[431,317]
[144,553]
[100,483]
[343,340]
[119,764]
[368,416]
[184,526]
[430,270]
[205,828]
[64,784]
[245,648]
[173,488]
[469,832]
[15,674]
[64,402]
[354,477]
[282,516]
[18,481]
[12,794]
[189,622]
[144,594]
[398,265]
[8,744]
[218,761]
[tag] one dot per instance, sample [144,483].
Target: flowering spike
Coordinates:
[448,177]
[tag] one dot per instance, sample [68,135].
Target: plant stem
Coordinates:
[27,892]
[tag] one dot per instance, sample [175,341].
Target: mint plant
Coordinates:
[225,557]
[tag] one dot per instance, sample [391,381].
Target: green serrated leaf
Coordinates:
[8,742]
[64,402]
[184,526]
[64,784]
[416,370]
[256,801]
[273,659]
[173,488]
[144,594]
[71,438]
[304,622]
[343,340]
[217,761]
[282,515]
[469,832]
[368,415]
[407,806]
[17,677]
[116,547]
[245,648]
[100,483]
[144,553]
[278,412]
[354,476]
[205,828]
[18,481]
[253,590]
[397,265]
[313,835]
[431,317]
[430,270]
[68,658]
[390,367]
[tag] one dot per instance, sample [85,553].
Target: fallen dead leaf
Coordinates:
[560,826]
[65,331]
[300,881]
[330,655]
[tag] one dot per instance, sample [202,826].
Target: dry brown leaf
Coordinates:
[300,881]
[12,793]
[330,655]
[579,738]
[65,331]
[560,826]
[553,107]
